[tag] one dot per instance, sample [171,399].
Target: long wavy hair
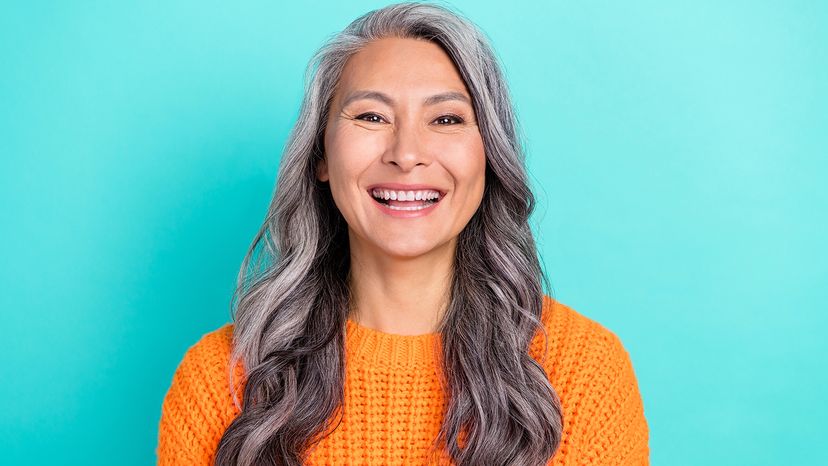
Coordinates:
[292,297]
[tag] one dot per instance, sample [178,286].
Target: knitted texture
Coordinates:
[394,405]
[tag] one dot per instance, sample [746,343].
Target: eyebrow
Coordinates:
[386,99]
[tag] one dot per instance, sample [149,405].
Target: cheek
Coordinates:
[467,164]
[349,153]
[350,147]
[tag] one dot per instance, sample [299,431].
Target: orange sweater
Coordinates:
[392,399]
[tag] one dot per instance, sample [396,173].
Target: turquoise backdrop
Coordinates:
[678,150]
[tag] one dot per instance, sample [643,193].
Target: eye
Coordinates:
[369,115]
[446,120]
[450,118]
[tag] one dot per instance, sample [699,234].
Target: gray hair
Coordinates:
[292,297]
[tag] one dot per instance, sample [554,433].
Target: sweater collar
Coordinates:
[377,348]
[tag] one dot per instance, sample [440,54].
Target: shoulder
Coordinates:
[568,329]
[212,346]
[203,370]
[208,357]
[578,346]
[593,375]
[198,405]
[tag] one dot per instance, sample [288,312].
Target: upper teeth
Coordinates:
[405,195]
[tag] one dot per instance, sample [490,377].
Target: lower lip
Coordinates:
[386,209]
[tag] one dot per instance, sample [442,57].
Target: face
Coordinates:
[385,130]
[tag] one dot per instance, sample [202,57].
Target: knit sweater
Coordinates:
[393,401]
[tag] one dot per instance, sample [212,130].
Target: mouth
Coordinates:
[406,199]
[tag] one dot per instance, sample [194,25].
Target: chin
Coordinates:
[408,248]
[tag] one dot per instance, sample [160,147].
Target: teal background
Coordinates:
[678,150]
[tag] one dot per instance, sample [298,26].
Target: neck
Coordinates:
[400,295]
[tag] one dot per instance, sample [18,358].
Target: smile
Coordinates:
[406,204]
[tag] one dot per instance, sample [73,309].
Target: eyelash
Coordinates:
[448,115]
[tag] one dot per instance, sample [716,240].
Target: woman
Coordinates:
[390,310]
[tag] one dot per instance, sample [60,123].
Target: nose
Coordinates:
[407,148]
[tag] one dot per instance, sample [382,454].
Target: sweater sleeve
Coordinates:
[198,406]
[614,428]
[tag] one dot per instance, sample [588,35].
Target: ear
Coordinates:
[322,170]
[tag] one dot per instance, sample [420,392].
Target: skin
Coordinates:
[401,268]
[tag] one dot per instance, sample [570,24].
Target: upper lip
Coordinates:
[405,187]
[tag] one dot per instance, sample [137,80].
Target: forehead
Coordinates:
[401,66]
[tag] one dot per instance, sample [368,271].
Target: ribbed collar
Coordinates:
[387,349]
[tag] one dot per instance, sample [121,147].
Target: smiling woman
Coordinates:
[402,122]
[391,308]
